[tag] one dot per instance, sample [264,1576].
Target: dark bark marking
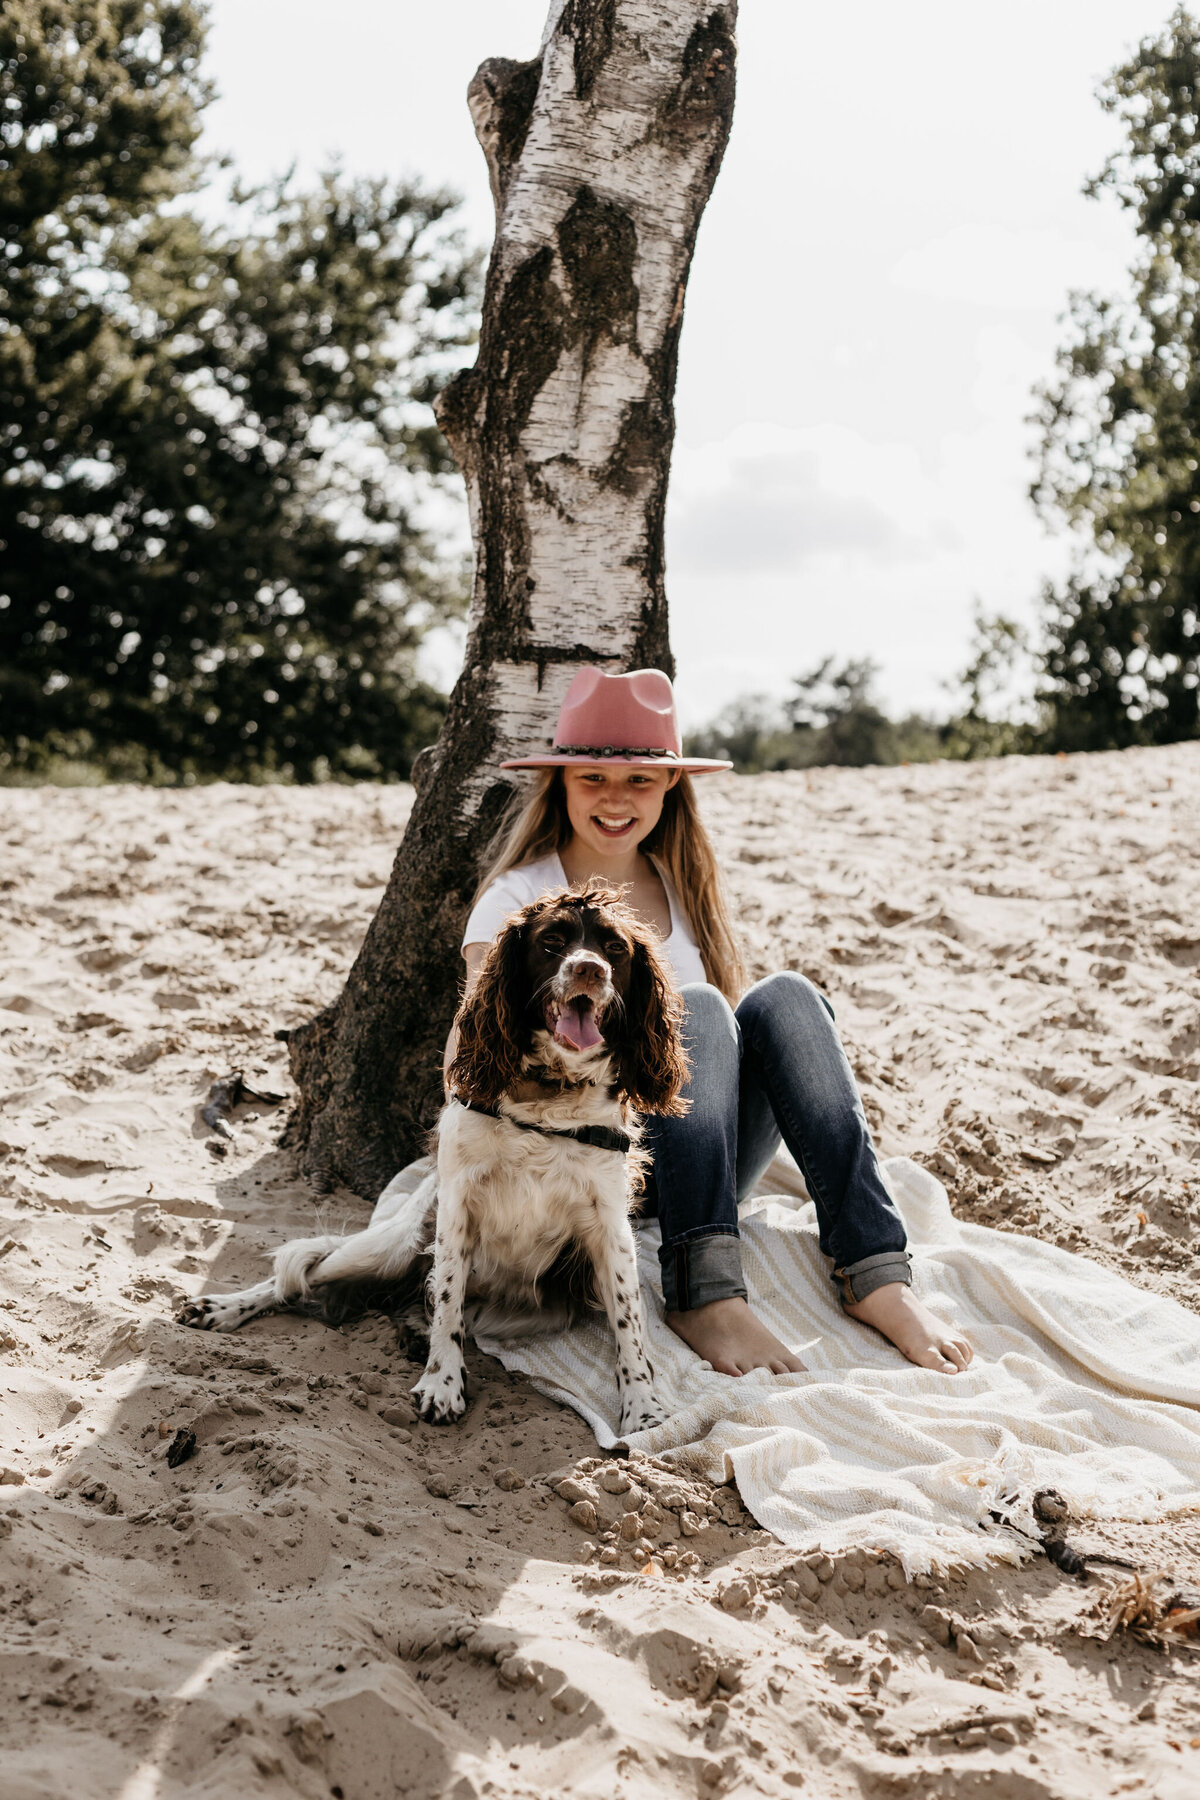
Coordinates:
[492,809]
[597,241]
[652,436]
[519,349]
[643,444]
[512,89]
[703,96]
[518,352]
[590,24]
[424,768]
[457,410]
[501,96]
[546,654]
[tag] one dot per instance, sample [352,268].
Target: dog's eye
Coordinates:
[616,949]
[553,941]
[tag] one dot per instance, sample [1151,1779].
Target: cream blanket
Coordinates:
[1081,1382]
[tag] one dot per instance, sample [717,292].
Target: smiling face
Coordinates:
[614,808]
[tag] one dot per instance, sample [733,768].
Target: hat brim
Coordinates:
[689,765]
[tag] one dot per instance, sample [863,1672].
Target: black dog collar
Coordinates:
[599,1137]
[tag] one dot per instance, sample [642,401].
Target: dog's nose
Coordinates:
[586,968]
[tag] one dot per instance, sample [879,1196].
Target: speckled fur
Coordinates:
[510,1202]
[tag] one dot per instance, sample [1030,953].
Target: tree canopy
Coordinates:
[218,447]
[1120,452]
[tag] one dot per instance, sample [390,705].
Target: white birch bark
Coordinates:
[602,152]
[632,107]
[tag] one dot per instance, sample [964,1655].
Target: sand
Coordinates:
[328,1598]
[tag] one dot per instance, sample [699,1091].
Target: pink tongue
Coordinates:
[577,1029]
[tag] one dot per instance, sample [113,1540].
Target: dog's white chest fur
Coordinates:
[509,1200]
[525,1194]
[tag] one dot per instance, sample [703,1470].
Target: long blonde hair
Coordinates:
[539,826]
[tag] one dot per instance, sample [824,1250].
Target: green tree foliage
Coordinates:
[1121,434]
[835,712]
[216,445]
[831,716]
[986,692]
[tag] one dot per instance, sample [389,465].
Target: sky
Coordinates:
[877,290]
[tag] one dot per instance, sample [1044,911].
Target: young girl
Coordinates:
[615,800]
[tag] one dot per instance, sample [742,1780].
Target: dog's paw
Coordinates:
[441,1396]
[214,1312]
[199,1314]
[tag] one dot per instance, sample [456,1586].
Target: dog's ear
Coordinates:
[651,1062]
[492,1024]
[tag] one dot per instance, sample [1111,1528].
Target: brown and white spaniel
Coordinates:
[570,1032]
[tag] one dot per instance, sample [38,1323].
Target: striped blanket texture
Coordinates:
[1081,1381]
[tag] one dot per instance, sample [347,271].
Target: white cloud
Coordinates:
[772,512]
[994,265]
[943,534]
[768,499]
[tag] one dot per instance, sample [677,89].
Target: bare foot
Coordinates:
[916,1332]
[726,1334]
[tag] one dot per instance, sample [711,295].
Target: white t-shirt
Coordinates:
[518,887]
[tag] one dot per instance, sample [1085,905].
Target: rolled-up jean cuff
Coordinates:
[859,1279]
[700,1270]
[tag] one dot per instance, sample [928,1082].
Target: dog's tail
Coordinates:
[382,1268]
[294,1266]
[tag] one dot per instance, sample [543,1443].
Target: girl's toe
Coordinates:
[935,1357]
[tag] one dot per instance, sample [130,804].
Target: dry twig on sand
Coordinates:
[1149,1608]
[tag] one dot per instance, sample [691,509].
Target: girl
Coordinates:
[615,800]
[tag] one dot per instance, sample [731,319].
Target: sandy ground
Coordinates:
[330,1599]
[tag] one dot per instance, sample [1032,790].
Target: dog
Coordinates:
[571,1030]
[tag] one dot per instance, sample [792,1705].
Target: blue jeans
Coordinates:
[773,1068]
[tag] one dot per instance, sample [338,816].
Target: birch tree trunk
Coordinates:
[602,153]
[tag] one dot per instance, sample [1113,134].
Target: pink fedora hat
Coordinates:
[625,719]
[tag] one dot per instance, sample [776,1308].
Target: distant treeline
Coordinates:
[833,715]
